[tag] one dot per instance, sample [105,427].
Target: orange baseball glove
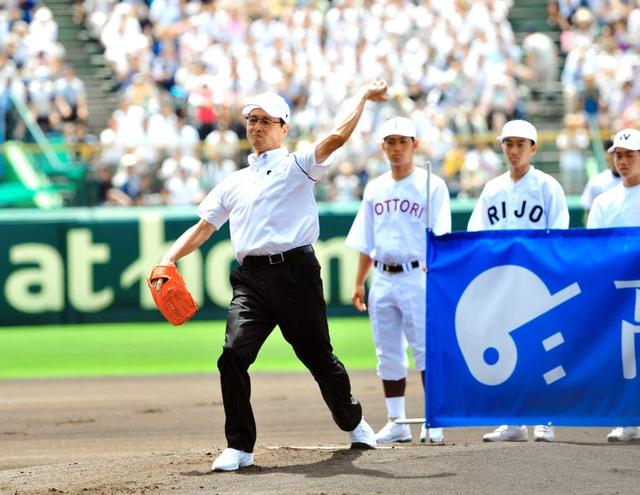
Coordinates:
[174,300]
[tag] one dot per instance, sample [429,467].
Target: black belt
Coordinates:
[397,268]
[275,259]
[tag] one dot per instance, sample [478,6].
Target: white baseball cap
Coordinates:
[275,105]
[399,126]
[518,128]
[628,139]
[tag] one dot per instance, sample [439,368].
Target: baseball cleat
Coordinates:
[232,459]
[507,433]
[394,433]
[624,434]
[435,435]
[363,436]
[544,433]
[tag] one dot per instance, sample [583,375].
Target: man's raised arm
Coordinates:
[375,91]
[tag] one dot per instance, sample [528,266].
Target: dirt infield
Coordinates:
[159,435]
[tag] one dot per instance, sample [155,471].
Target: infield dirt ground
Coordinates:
[158,435]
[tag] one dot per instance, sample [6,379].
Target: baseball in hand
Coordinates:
[377,90]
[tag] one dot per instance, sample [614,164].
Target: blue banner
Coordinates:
[534,326]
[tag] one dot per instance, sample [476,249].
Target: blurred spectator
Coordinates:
[633,25]
[43,29]
[452,168]
[481,164]
[40,99]
[161,131]
[556,20]
[573,143]
[202,107]
[437,139]
[71,97]
[111,148]
[17,44]
[499,100]
[27,8]
[346,183]
[128,177]
[182,188]
[83,143]
[221,153]
[590,101]
[104,179]
[188,139]
[631,115]
[619,101]
[123,40]
[542,58]
[572,74]
[142,92]
[94,14]
[583,30]
[165,65]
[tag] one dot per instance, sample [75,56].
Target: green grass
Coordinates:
[121,349]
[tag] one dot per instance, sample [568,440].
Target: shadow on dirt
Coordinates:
[340,462]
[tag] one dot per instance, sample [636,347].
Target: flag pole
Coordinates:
[428,207]
[427,233]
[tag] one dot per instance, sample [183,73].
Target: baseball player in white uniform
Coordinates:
[620,207]
[522,198]
[389,234]
[602,182]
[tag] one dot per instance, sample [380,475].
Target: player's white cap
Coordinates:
[518,128]
[398,126]
[275,105]
[629,139]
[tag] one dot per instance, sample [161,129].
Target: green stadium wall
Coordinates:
[86,265]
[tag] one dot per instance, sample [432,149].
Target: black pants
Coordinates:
[289,295]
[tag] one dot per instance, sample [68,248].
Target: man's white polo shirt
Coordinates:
[270,204]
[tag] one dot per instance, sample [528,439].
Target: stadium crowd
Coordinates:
[183,68]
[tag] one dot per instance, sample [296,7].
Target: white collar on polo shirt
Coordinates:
[255,160]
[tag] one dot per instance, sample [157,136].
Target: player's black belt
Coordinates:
[275,259]
[397,268]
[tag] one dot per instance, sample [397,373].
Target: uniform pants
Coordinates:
[289,295]
[397,311]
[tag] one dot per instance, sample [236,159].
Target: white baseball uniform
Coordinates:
[597,185]
[390,229]
[617,207]
[536,201]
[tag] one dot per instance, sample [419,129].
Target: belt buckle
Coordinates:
[275,259]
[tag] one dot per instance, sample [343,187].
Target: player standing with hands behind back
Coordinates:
[273,220]
[620,207]
[522,198]
[389,233]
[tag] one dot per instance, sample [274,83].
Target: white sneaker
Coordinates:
[507,433]
[544,433]
[232,459]
[393,432]
[436,435]
[624,434]
[363,437]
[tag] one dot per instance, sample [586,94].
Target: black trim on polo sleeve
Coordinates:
[301,169]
